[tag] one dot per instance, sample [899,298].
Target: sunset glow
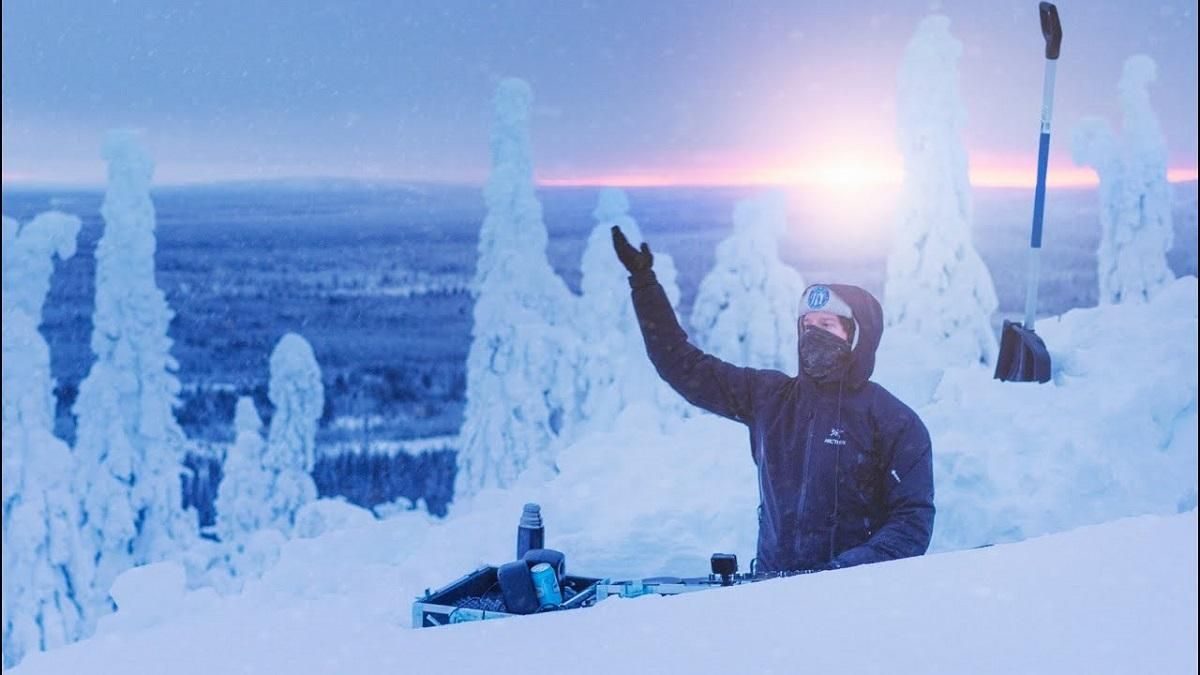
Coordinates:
[836,172]
[843,175]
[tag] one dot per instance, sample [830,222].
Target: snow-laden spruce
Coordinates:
[128,444]
[298,395]
[249,532]
[1135,197]
[938,289]
[747,306]
[521,367]
[45,560]
[242,497]
[28,257]
[615,371]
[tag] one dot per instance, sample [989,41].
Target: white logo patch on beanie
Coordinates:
[822,299]
[819,298]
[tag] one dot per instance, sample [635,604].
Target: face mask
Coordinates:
[823,355]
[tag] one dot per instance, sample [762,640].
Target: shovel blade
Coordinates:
[1023,355]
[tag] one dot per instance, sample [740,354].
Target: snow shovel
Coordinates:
[1023,355]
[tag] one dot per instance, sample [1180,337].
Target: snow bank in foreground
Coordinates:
[1119,597]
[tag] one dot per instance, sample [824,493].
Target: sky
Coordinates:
[626,92]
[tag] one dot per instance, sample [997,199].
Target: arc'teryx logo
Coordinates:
[835,437]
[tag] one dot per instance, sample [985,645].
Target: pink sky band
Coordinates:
[994,178]
[843,178]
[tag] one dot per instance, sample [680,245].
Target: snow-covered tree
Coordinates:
[521,401]
[28,257]
[1135,196]
[747,306]
[45,561]
[298,395]
[242,498]
[615,370]
[129,447]
[938,289]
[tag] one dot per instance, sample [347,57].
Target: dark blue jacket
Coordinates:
[844,470]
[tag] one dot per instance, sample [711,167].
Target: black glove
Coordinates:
[634,260]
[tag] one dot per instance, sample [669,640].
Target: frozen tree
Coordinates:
[45,561]
[615,370]
[521,400]
[298,395]
[28,257]
[938,290]
[128,444]
[242,498]
[747,306]
[249,531]
[1135,197]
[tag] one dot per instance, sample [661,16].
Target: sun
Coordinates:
[851,174]
[852,197]
[837,172]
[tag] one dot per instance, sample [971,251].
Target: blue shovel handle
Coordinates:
[1052,32]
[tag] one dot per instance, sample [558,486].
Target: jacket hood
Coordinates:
[868,320]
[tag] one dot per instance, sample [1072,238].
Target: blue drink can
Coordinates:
[545,584]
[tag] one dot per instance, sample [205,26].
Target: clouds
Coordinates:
[623,86]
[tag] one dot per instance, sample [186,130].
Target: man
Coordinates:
[844,468]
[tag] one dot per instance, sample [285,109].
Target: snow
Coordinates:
[298,395]
[1135,197]
[615,371]
[1035,563]
[243,496]
[129,447]
[938,290]
[521,402]
[747,306]
[1113,435]
[1091,600]
[44,560]
[325,515]
[149,594]
[28,257]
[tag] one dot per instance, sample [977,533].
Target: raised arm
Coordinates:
[704,380]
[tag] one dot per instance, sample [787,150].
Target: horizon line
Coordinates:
[1077,178]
